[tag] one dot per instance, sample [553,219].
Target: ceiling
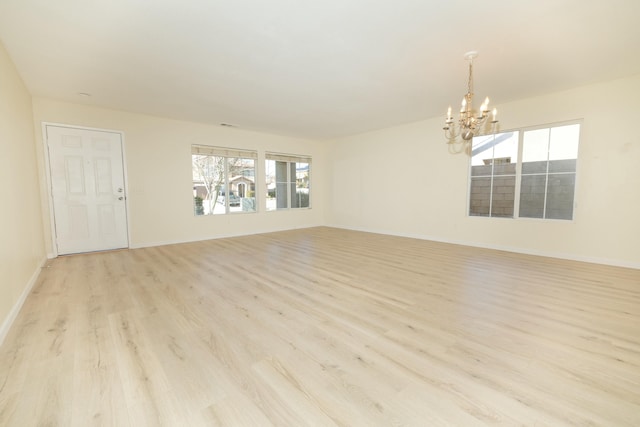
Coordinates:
[308,68]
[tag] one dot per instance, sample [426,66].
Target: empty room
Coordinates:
[337,213]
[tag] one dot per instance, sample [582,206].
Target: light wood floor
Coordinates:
[324,327]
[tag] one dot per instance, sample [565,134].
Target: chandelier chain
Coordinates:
[470,82]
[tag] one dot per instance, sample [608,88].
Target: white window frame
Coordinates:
[518,181]
[289,159]
[227,153]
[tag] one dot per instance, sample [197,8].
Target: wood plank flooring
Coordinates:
[324,327]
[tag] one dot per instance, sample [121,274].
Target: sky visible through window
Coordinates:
[556,143]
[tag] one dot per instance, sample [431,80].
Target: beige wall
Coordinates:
[158,164]
[21,244]
[402,180]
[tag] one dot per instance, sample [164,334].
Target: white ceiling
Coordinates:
[313,68]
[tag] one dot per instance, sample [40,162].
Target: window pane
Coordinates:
[563,148]
[503,146]
[564,142]
[503,196]
[532,191]
[535,151]
[302,185]
[281,195]
[504,167]
[493,172]
[292,194]
[482,155]
[270,181]
[281,185]
[534,167]
[560,194]
[505,154]
[562,165]
[535,145]
[303,198]
[208,181]
[241,173]
[480,196]
[292,184]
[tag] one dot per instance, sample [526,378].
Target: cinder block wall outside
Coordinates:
[500,202]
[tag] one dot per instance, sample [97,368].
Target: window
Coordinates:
[549,158]
[493,175]
[539,185]
[223,180]
[288,181]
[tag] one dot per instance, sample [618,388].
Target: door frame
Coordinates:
[47,167]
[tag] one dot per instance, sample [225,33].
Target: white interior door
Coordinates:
[88,191]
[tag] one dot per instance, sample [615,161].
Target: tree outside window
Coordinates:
[223,180]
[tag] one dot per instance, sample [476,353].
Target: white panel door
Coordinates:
[88,191]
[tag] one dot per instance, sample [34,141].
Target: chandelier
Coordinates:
[469,123]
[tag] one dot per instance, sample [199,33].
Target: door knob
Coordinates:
[120,198]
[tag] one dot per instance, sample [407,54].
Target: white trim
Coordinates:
[13,314]
[534,252]
[210,150]
[47,169]
[126,187]
[291,158]
[45,141]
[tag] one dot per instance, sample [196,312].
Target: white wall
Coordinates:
[158,164]
[21,244]
[403,180]
[399,180]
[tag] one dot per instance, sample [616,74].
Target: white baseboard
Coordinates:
[526,251]
[11,317]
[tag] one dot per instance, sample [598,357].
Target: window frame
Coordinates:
[518,181]
[290,159]
[226,153]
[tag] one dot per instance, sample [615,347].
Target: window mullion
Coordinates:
[226,185]
[518,183]
[546,179]
[491,194]
[493,166]
[288,189]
